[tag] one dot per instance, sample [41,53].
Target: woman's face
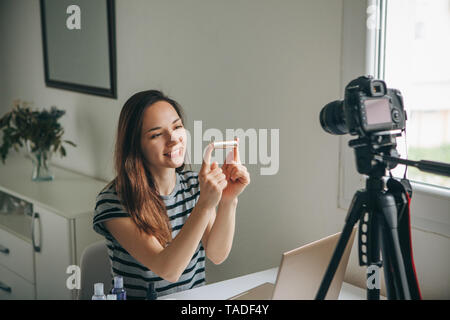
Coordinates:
[163,137]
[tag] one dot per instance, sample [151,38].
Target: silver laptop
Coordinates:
[301,271]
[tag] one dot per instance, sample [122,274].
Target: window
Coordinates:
[416,61]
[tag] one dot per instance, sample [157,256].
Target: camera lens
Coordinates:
[332,118]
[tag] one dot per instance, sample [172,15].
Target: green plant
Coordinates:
[40,128]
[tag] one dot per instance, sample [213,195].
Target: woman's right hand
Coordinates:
[212,181]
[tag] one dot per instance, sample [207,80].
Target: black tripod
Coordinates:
[378,212]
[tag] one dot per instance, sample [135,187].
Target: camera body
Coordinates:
[368,108]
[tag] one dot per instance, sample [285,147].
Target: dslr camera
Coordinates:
[369,108]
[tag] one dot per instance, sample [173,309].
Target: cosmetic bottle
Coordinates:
[98,292]
[118,288]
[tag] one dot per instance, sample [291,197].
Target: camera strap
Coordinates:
[402,192]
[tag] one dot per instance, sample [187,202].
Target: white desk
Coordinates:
[228,288]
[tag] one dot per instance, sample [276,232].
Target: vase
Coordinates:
[41,165]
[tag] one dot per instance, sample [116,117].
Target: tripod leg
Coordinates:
[373,256]
[391,244]
[391,290]
[354,213]
[370,227]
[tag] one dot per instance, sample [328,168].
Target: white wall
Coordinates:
[232,64]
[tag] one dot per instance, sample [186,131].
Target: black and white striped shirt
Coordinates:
[137,277]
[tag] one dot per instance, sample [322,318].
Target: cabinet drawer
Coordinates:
[16,255]
[13,287]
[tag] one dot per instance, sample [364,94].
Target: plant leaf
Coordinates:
[70,142]
[63,151]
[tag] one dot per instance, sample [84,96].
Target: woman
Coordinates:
[160,220]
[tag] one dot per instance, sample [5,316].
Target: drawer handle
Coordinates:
[35,216]
[5,288]
[4,250]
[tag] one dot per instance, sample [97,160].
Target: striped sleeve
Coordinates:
[107,207]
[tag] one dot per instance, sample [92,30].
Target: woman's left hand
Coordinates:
[236,174]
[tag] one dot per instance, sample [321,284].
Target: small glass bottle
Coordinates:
[118,288]
[98,292]
[111,297]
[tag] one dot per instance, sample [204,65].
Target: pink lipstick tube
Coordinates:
[225,144]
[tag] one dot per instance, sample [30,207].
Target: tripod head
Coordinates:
[377,153]
[368,147]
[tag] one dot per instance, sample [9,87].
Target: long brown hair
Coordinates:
[134,183]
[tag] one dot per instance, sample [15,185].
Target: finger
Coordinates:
[207,159]
[215,168]
[216,174]
[233,173]
[237,158]
[239,172]
[230,157]
[226,169]
[244,179]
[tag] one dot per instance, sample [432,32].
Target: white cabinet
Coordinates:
[52,242]
[12,286]
[16,267]
[16,254]
[38,246]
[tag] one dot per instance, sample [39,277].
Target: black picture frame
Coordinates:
[66,84]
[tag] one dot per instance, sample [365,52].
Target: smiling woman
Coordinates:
[164,141]
[158,227]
